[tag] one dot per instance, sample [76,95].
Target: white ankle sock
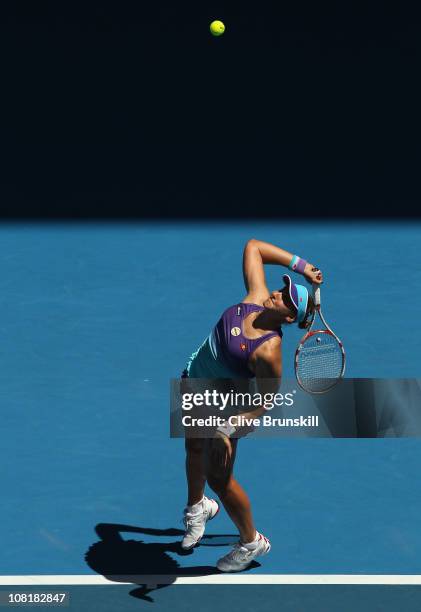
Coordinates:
[252,544]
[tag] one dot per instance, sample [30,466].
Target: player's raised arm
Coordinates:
[258,253]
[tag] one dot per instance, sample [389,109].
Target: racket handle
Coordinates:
[316,294]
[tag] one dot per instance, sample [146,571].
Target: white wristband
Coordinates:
[297,264]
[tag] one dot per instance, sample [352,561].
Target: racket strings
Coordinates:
[320,362]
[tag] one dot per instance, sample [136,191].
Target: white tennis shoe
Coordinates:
[195,523]
[242,555]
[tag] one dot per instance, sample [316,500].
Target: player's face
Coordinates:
[281,302]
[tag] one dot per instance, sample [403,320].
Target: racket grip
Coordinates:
[316,294]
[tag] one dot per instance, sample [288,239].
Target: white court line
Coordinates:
[315,579]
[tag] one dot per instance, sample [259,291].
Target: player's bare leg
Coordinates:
[199,508]
[233,497]
[195,470]
[237,504]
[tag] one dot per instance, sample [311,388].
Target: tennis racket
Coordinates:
[320,355]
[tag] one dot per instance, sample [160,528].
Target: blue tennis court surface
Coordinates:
[97,318]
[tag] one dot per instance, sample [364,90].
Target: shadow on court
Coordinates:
[147,564]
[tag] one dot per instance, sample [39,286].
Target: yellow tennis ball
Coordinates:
[217,28]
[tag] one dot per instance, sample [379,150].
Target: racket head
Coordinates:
[319,361]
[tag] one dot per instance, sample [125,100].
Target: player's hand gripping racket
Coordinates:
[320,355]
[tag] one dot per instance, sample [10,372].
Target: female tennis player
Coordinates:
[245,343]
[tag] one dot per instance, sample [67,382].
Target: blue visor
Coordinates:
[299,297]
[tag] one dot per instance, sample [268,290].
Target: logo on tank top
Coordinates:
[243,346]
[235,331]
